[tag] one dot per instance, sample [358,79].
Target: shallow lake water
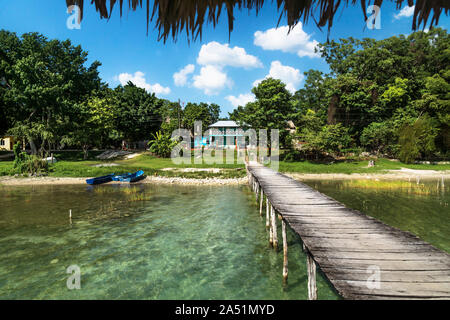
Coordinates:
[143,242]
[180,242]
[421,207]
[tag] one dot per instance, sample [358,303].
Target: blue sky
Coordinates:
[216,68]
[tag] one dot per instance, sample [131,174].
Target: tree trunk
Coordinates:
[85,152]
[33,147]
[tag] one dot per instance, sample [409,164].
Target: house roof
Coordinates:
[225,123]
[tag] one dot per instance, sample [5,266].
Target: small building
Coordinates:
[224,134]
[7,143]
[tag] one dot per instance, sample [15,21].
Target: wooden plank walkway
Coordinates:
[349,245]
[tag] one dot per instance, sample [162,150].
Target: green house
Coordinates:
[224,134]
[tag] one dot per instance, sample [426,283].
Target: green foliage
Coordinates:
[331,139]
[207,114]
[136,113]
[162,144]
[44,79]
[29,164]
[416,140]
[379,137]
[271,110]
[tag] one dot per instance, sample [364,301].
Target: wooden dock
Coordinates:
[362,257]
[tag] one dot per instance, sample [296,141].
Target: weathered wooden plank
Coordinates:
[413,289]
[386,276]
[384,265]
[364,255]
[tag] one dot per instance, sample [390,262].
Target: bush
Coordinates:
[379,137]
[416,140]
[24,163]
[292,155]
[162,144]
[331,139]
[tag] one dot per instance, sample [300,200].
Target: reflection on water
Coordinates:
[144,242]
[420,207]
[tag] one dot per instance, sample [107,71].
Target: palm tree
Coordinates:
[172,16]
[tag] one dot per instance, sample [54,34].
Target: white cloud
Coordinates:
[405,12]
[222,55]
[139,80]
[211,80]
[241,100]
[296,41]
[289,75]
[180,77]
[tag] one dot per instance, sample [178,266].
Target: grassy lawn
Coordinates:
[354,167]
[71,164]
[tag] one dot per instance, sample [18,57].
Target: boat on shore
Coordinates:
[120,176]
[133,177]
[100,180]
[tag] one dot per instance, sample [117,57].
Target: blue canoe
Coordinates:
[100,180]
[120,176]
[133,177]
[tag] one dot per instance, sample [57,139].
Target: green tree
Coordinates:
[208,114]
[271,110]
[380,137]
[416,139]
[137,112]
[45,78]
[331,140]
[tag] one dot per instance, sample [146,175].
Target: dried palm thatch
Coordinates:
[172,16]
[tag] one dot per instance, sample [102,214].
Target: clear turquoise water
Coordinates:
[183,243]
[426,215]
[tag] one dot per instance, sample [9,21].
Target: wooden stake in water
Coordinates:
[267,212]
[285,252]
[271,226]
[312,288]
[70,215]
[261,203]
[274,228]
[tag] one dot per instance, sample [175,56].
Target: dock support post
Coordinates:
[312,287]
[271,229]
[274,228]
[261,203]
[267,212]
[285,252]
[257,190]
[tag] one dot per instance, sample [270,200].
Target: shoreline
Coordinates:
[409,175]
[405,174]
[31,181]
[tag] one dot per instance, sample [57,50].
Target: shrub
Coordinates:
[162,144]
[24,163]
[416,140]
[331,139]
[379,137]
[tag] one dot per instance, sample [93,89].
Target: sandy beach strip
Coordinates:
[403,174]
[13,181]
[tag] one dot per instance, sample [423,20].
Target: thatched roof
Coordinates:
[174,16]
